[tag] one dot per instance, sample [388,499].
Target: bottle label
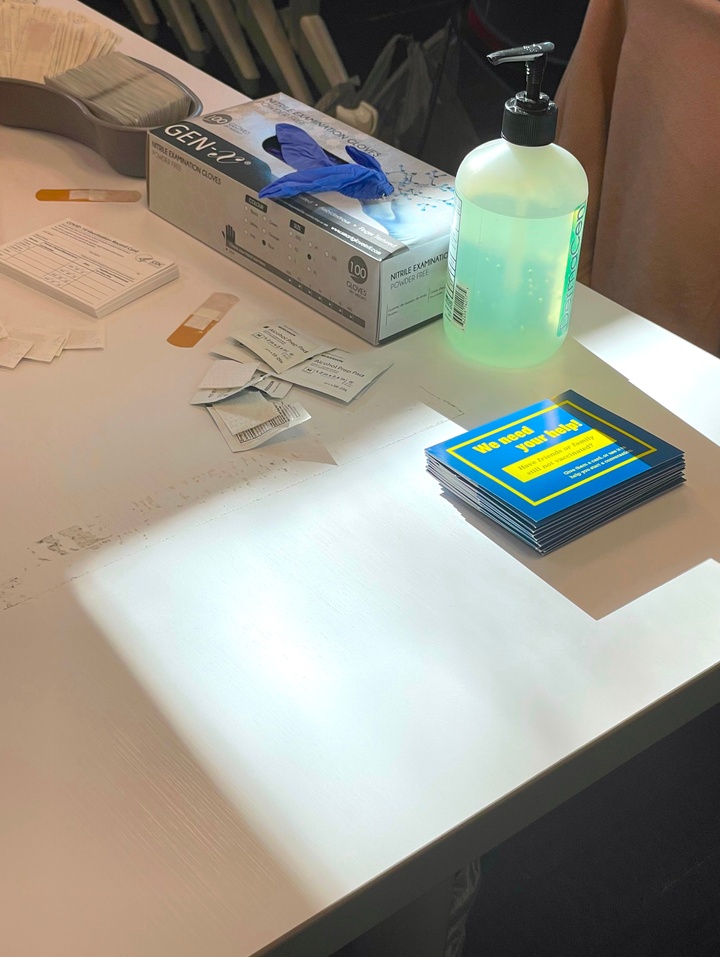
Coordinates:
[456,295]
[578,223]
[460,305]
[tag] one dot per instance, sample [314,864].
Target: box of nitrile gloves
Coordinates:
[375,267]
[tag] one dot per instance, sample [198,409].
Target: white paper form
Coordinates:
[36,39]
[267,384]
[245,411]
[227,374]
[272,387]
[288,416]
[46,345]
[12,351]
[210,396]
[281,346]
[229,349]
[84,268]
[86,338]
[343,375]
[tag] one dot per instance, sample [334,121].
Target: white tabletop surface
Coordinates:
[241,692]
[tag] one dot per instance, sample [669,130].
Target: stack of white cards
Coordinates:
[37,42]
[84,268]
[254,369]
[44,345]
[120,90]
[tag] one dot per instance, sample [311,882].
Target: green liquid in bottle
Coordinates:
[510,284]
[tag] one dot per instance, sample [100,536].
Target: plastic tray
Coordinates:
[35,106]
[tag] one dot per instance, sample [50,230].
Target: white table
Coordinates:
[256,703]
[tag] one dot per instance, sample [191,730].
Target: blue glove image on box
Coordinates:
[317,172]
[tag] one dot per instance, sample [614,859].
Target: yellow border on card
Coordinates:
[478,438]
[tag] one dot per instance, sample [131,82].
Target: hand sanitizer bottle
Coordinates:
[516,233]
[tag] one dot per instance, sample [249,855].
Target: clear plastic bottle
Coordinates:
[516,235]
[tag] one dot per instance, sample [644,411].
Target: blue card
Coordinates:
[555,455]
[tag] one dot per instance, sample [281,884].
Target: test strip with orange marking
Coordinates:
[88,195]
[202,319]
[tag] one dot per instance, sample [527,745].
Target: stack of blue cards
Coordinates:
[556,469]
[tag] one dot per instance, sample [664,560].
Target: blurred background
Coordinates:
[411,72]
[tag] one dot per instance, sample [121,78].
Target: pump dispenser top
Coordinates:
[516,233]
[529,117]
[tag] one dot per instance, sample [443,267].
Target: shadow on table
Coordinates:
[114,839]
[634,553]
